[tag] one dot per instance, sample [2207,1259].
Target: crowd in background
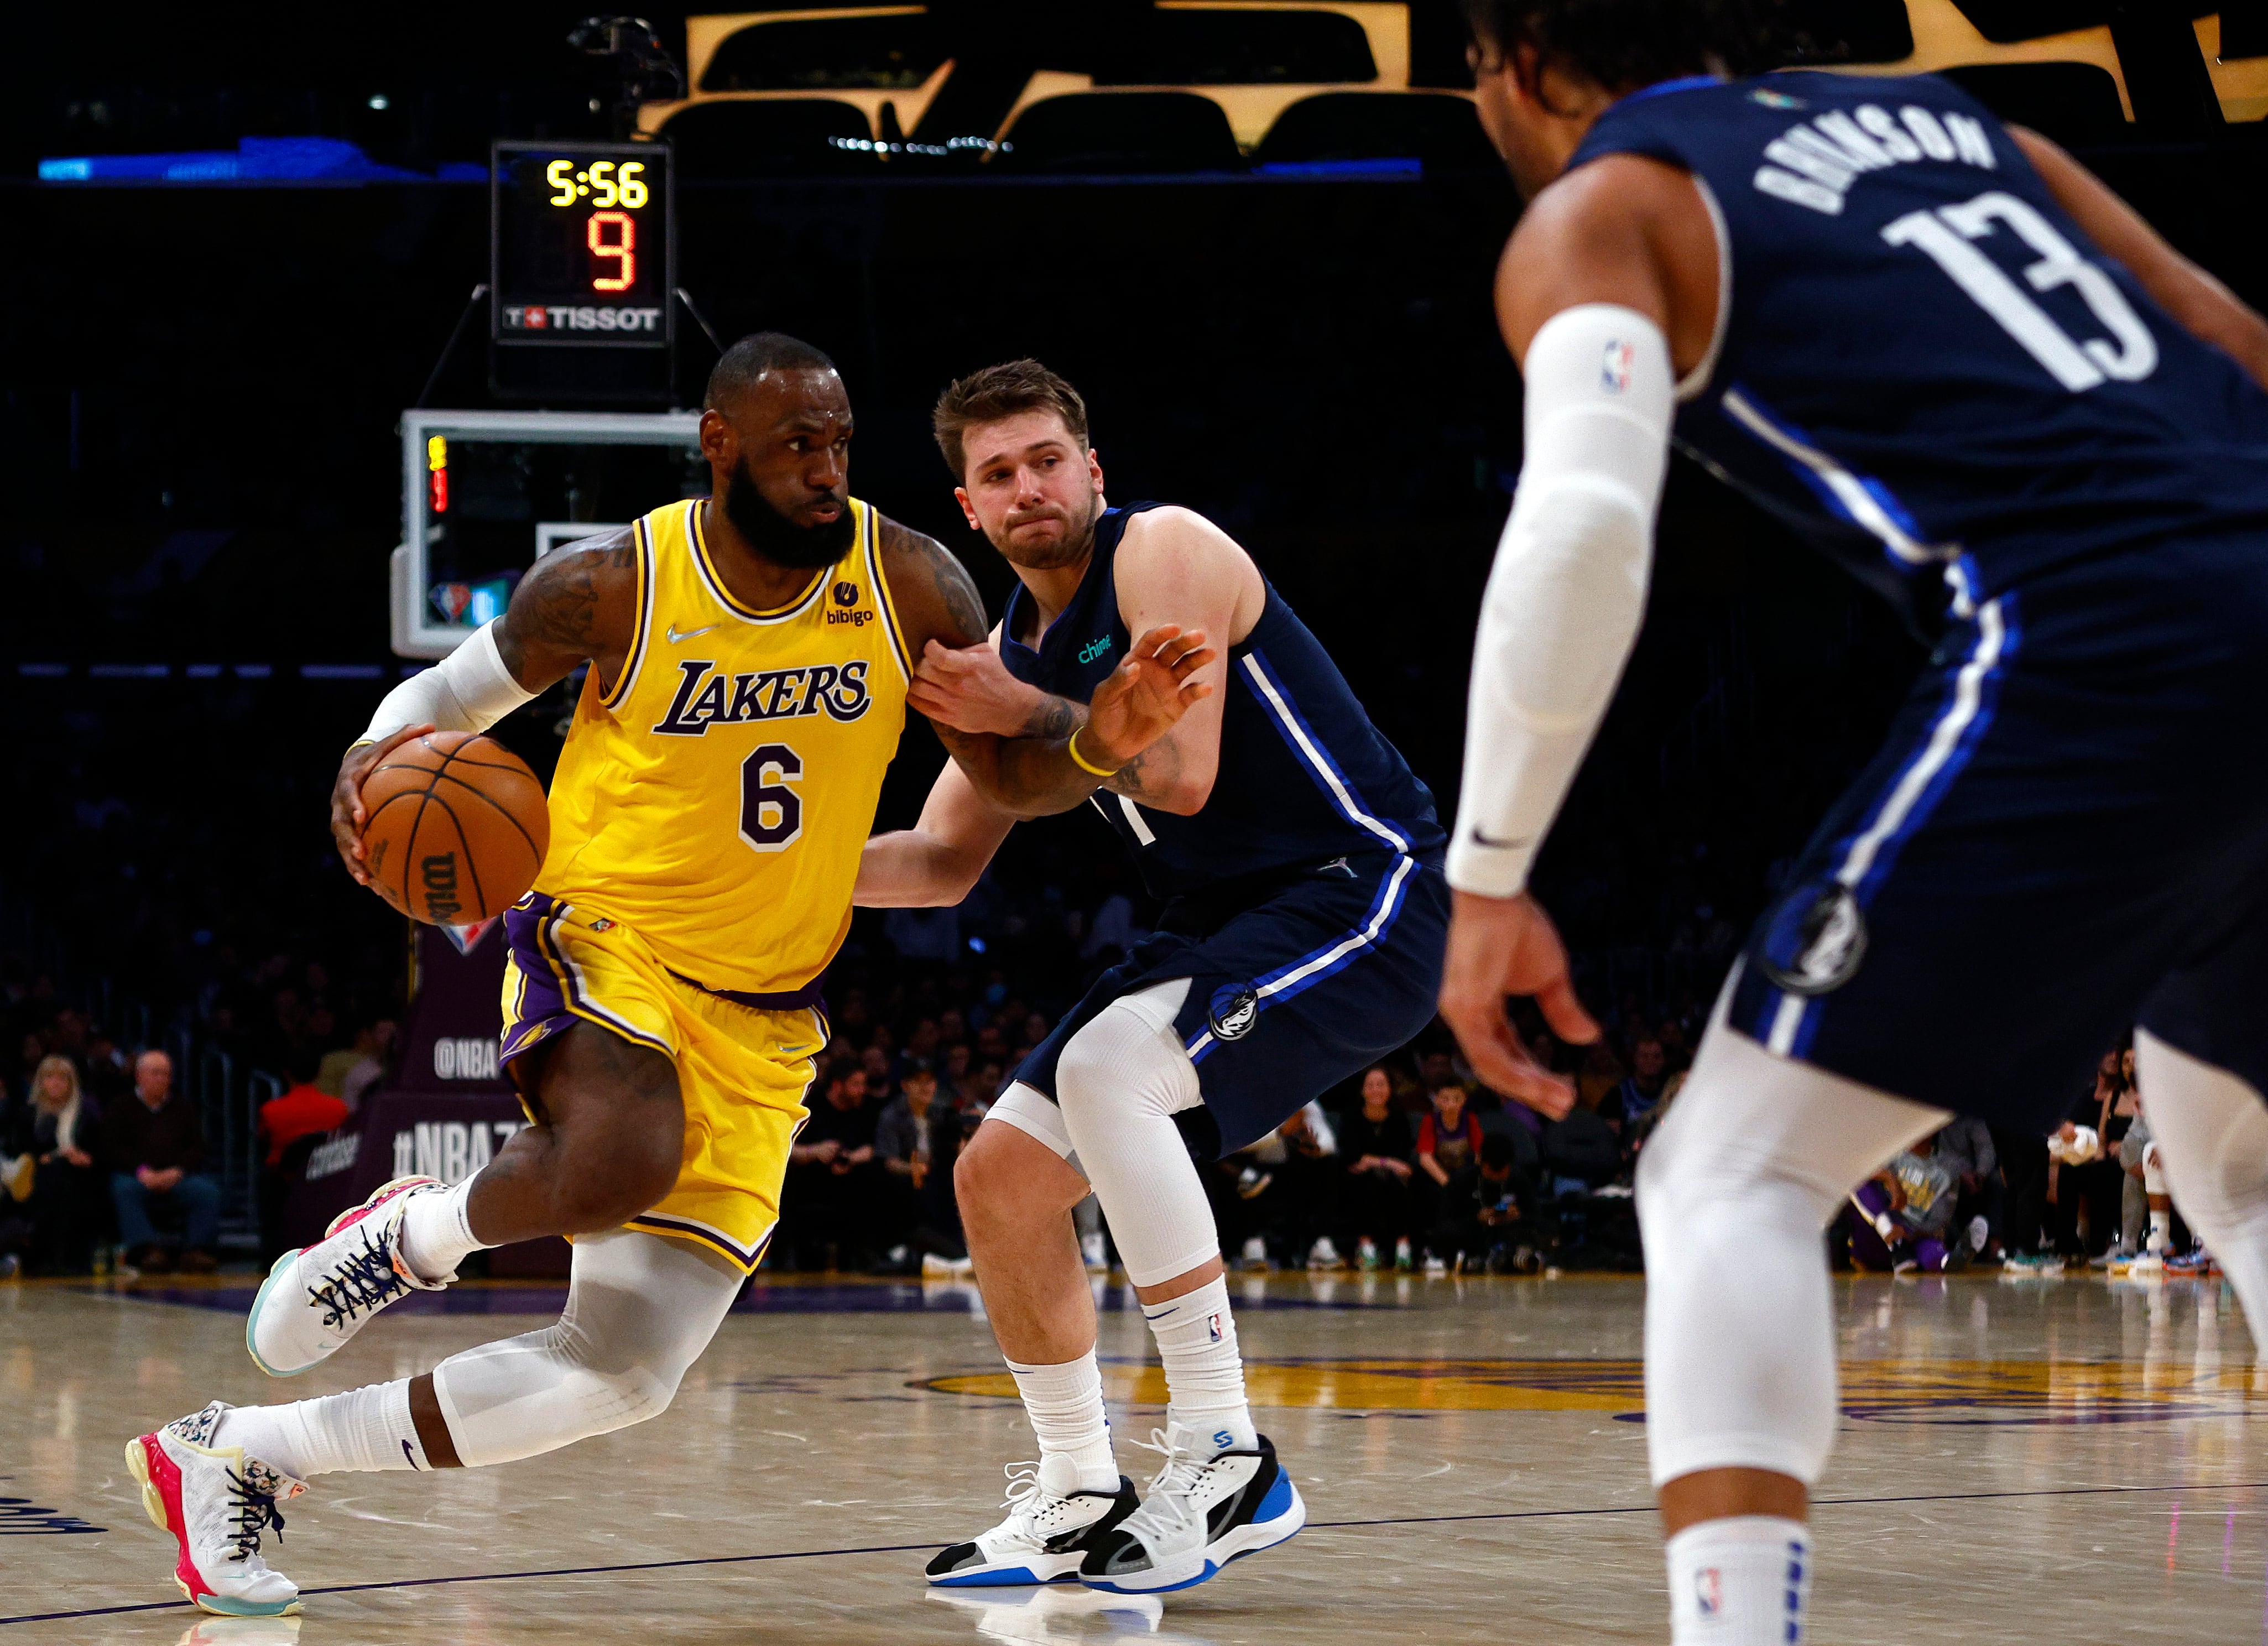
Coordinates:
[1412,1165]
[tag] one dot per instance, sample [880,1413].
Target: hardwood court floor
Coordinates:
[2062,1462]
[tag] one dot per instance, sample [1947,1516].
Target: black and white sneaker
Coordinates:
[1210,1505]
[1050,1526]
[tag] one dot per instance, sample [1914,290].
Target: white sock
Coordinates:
[364,1429]
[436,1234]
[1065,1406]
[2161,1231]
[1740,1582]
[1204,1374]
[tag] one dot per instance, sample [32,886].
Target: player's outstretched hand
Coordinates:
[970,690]
[1498,948]
[1147,695]
[347,813]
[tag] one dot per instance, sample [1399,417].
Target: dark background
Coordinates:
[198,392]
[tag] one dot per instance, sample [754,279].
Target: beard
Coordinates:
[1074,545]
[779,539]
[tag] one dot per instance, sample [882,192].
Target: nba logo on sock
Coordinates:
[1708,1591]
[1615,366]
[1212,1325]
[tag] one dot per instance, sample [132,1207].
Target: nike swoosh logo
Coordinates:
[789,1051]
[1502,846]
[677,634]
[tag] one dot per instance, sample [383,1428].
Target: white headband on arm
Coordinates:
[1568,592]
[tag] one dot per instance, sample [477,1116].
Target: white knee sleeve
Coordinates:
[2211,1140]
[1119,1083]
[640,1308]
[1735,1191]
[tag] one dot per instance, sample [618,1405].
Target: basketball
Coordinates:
[458,827]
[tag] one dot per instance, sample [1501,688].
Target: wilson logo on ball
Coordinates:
[458,827]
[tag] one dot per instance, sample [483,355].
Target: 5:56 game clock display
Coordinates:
[584,247]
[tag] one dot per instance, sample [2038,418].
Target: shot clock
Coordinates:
[582,262]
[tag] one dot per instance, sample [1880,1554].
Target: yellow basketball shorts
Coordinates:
[741,1069]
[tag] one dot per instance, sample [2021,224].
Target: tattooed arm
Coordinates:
[1032,772]
[576,605]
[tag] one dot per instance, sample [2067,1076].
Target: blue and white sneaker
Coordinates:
[1047,1532]
[1211,1505]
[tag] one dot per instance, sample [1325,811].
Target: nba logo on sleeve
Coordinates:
[1708,1591]
[1614,367]
[1212,1327]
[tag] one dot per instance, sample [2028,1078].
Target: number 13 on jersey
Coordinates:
[2129,355]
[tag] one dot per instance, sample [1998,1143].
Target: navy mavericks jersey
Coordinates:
[1923,362]
[1304,776]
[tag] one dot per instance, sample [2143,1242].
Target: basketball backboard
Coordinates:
[485,494]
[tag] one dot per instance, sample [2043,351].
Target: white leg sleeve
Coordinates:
[2211,1140]
[1120,1082]
[640,1308]
[1735,1191]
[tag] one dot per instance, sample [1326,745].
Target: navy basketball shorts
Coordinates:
[2066,837]
[1338,966]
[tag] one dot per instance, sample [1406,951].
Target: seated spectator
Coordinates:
[304,1110]
[1964,1145]
[833,1190]
[154,1143]
[1281,1198]
[1907,1218]
[349,1073]
[58,1134]
[1581,1153]
[1376,1143]
[1449,1140]
[1485,1214]
[1630,1106]
[905,1143]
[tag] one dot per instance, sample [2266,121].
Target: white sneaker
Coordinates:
[937,1268]
[1434,1265]
[1980,1232]
[1208,1506]
[216,1501]
[1256,1253]
[1094,1254]
[313,1300]
[1323,1255]
[1048,1531]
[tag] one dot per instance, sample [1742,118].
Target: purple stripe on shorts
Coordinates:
[543,1005]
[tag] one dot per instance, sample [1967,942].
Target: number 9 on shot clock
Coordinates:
[583,246]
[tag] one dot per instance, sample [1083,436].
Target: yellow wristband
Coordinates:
[1081,762]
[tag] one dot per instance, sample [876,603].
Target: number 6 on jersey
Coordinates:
[771,813]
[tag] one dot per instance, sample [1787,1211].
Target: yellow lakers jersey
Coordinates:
[717,797]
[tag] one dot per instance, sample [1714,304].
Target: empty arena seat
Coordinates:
[1121,132]
[1855,31]
[1438,128]
[2070,102]
[787,137]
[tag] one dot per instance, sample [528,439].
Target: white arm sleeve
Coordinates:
[468,691]
[1568,592]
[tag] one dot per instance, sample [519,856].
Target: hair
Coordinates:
[1498,1151]
[742,365]
[841,1071]
[48,1066]
[1621,44]
[1003,391]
